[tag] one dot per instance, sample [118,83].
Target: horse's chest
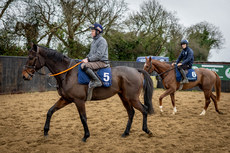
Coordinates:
[62,93]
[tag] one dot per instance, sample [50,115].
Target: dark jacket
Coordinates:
[98,50]
[187,56]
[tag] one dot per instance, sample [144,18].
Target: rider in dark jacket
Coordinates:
[187,56]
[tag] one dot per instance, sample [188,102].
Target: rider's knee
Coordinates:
[83,67]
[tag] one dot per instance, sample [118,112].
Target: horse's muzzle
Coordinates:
[27,75]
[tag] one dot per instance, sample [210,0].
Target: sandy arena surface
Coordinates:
[22,118]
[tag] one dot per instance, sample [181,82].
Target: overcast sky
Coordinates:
[216,12]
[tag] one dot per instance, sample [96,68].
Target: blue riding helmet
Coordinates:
[97,27]
[184,42]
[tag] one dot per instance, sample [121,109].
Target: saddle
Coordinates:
[104,74]
[190,74]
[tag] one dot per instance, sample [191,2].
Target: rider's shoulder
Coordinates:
[190,49]
[102,40]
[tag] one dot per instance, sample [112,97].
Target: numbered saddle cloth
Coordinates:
[191,75]
[104,74]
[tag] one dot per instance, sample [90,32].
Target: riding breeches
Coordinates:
[94,65]
[184,67]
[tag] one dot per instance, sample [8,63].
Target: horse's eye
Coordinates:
[31,57]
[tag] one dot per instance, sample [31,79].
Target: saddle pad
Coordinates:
[104,74]
[191,75]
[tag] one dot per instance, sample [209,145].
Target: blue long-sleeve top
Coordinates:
[187,56]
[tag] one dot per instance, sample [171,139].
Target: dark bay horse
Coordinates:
[206,80]
[126,82]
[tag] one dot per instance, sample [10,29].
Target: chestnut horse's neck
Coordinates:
[160,67]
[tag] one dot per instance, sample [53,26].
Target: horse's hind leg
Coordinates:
[58,105]
[143,109]
[215,103]
[207,95]
[130,112]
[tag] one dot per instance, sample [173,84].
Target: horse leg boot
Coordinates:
[185,79]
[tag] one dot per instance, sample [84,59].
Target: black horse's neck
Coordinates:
[56,62]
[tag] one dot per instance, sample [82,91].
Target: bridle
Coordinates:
[150,67]
[34,67]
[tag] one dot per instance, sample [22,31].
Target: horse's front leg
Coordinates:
[172,95]
[81,109]
[166,93]
[58,105]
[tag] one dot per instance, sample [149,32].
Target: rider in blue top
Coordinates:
[187,56]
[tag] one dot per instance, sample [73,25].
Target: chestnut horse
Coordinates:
[127,82]
[206,80]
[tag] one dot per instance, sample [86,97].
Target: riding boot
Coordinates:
[185,79]
[95,81]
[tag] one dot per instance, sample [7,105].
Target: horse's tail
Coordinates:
[218,87]
[148,90]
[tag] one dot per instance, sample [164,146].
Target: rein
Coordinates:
[166,71]
[66,70]
[33,67]
[162,72]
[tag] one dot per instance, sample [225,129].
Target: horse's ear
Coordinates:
[146,59]
[31,45]
[150,58]
[35,47]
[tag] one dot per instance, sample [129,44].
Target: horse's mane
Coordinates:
[53,54]
[164,64]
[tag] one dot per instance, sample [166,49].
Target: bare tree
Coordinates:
[153,24]
[4,7]
[108,13]
[50,19]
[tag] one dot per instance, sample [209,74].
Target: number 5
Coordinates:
[106,77]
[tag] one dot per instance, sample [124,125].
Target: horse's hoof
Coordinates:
[46,132]
[124,135]
[150,134]
[203,112]
[221,113]
[46,136]
[174,111]
[84,139]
